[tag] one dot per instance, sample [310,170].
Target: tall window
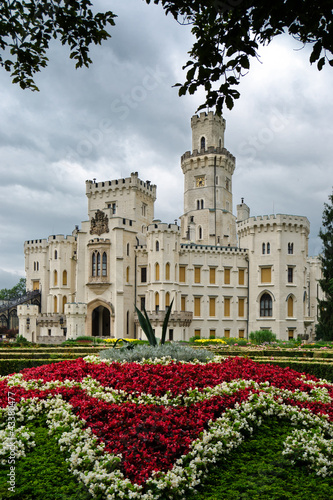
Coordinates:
[157,271]
[55,254]
[227,276]
[199,233]
[202,143]
[157,246]
[98,264]
[268,248]
[143,275]
[290,248]
[55,278]
[104,264]
[290,274]
[167,299]
[127,274]
[55,304]
[266,275]
[241,334]
[127,249]
[197,273]
[142,303]
[197,306]
[64,302]
[64,278]
[157,301]
[93,264]
[212,275]
[290,307]
[167,271]
[227,307]
[227,334]
[212,306]
[183,303]
[266,305]
[241,307]
[182,274]
[241,276]
[201,204]
[263,248]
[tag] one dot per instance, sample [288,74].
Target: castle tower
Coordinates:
[208,170]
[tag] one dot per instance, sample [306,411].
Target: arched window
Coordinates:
[157,246]
[64,278]
[104,264]
[167,299]
[167,271]
[55,304]
[55,254]
[34,266]
[37,266]
[127,274]
[64,302]
[127,249]
[93,264]
[157,271]
[200,233]
[263,248]
[266,309]
[268,248]
[198,204]
[290,307]
[290,248]
[202,143]
[55,278]
[157,301]
[98,264]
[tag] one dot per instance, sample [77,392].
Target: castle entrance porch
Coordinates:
[100,319]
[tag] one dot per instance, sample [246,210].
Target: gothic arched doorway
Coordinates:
[100,322]
[100,319]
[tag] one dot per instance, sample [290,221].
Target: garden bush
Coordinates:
[260,336]
[175,351]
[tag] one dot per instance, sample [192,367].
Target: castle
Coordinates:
[227,276]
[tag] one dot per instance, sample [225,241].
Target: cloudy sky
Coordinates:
[123,115]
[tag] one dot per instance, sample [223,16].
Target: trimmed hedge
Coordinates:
[10,366]
[320,370]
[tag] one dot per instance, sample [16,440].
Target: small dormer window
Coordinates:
[203,143]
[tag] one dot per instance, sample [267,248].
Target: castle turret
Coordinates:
[208,174]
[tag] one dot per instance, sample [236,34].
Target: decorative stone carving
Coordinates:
[99,223]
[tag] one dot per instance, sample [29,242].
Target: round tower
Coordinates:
[208,171]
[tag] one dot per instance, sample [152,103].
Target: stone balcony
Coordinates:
[179,318]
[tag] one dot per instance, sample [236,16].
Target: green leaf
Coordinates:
[165,322]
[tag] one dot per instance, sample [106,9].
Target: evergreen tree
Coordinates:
[324,329]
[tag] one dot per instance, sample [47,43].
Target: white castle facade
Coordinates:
[227,275]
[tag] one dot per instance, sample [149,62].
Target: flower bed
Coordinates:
[149,430]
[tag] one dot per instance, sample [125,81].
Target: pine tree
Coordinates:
[324,329]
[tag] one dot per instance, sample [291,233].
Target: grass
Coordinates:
[256,470]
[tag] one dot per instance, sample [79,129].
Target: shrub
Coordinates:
[177,352]
[260,336]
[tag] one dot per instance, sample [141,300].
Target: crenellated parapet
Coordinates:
[281,222]
[214,249]
[113,187]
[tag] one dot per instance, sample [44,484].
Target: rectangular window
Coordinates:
[241,276]
[212,275]
[212,306]
[170,333]
[227,307]
[197,334]
[241,307]
[290,274]
[290,334]
[266,275]
[212,334]
[241,334]
[183,303]
[142,303]
[197,304]
[182,274]
[143,275]
[197,273]
[227,334]
[227,276]
[35,285]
